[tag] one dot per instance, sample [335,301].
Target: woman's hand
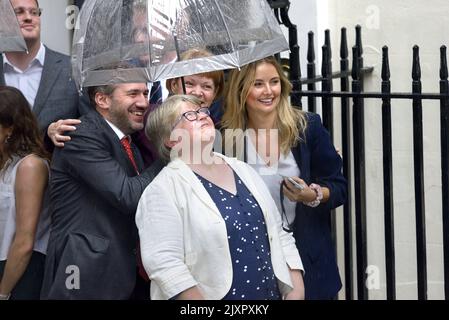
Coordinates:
[57,129]
[298,195]
[298,292]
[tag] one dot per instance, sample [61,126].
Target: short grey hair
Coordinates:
[160,122]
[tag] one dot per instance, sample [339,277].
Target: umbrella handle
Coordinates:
[175,38]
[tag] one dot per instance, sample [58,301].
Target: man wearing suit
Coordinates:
[96,182]
[43,75]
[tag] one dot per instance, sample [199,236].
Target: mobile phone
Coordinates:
[296,184]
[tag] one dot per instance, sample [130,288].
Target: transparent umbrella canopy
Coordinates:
[11,38]
[141,40]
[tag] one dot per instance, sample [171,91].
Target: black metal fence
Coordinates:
[352,97]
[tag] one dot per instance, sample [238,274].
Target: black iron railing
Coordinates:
[352,102]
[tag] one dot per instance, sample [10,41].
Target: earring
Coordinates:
[7,139]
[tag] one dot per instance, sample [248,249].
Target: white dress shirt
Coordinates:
[117,131]
[26,81]
[273,176]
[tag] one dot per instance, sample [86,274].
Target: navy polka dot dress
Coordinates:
[253,275]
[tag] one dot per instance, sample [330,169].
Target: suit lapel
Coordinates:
[117,150]
[137,157]
[50,72]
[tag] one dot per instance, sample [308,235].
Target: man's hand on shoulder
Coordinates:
[56,131]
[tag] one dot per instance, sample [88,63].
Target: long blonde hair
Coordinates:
[290,122]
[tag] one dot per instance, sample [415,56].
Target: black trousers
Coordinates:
[141,289]
[29,285]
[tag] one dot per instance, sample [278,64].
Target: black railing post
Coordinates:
[326,73]
[311,73]
[444,116]
[419,178]
[359,178]
[358,44]
[328,112]
[346,151]
[295,67]
[360,173]
[327,43]
[388,178]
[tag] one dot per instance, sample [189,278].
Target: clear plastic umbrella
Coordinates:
[11,38]
[141,40]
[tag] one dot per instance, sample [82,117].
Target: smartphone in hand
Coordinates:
[296,184]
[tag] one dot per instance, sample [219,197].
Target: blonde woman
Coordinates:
[295,156]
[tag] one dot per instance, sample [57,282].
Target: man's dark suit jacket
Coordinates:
[57,97]
[94,193]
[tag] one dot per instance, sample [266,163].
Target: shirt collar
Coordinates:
[40,58]
[41,55]
[117,131]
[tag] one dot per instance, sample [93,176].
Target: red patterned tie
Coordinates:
[125,143]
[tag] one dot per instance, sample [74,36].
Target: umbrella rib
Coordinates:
[225,25]
[199,18]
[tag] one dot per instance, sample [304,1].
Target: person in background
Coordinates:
[24,216]
[208,226]
[208,87]
[42,75]
[279,141]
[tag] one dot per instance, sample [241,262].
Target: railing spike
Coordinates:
[355,63]
[327,41]
[358,39]
[310,48]
[416,69]
[343,44]
[443,63]
[325,62]
[385,64]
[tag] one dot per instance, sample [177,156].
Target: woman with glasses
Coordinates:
[294,155]
[207,86]
[208,226]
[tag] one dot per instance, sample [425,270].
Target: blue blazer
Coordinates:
[318,162]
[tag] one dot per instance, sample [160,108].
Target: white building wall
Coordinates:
[56,32]
[400,24]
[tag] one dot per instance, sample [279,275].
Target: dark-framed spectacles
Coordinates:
[34,12]
[192,115]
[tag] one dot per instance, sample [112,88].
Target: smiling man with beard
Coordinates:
[96,182]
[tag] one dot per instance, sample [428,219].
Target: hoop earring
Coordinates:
[7,139]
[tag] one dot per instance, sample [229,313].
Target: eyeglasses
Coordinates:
[192,115]
[34,12]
